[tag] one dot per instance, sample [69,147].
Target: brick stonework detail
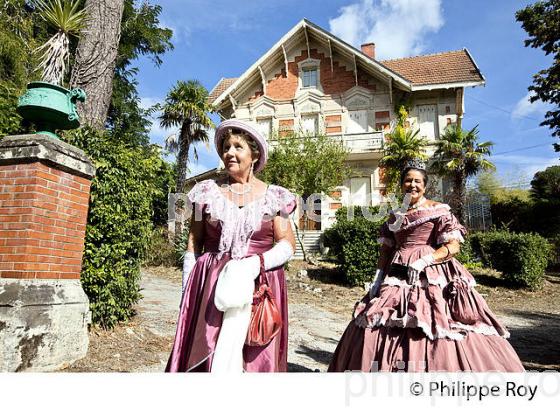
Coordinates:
[285,127]
[333,118]
[43,215]
[335,205]
[335,194]
[333,124]
[284,85]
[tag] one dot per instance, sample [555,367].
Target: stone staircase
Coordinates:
[311,241]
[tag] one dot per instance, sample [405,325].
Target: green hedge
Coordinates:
[119,223]
[353,243]
[521,257]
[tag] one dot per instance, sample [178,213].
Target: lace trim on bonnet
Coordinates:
[239,224]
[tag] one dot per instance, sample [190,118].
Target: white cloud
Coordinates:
[147,102]
[181,32]
[524,165]
[525,109]
[397,27]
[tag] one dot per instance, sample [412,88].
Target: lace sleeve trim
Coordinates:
[449,236]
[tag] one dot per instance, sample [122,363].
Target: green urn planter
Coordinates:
[50,107]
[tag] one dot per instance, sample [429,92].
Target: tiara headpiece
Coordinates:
[415,163]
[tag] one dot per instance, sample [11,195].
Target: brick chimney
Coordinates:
[369,50]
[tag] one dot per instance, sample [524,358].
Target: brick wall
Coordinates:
[284,85]
[333,124]
[285,127]
[43,215]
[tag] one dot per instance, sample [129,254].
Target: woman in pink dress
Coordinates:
[233,221]
[422,312]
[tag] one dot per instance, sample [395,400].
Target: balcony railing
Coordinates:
[356,143]
[364,142]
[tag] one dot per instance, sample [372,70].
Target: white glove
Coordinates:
[418,266]
[236,283]
[376,284]
[278,255]
[188,264]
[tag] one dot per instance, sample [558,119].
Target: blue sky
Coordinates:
[222,38]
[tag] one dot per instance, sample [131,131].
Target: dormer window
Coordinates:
[309,71]
[310,77]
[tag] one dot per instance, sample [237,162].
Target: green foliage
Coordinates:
[541,21]
[513,213]
[521,257]
[403,145]
[353,243]
[181,243]
[487,183]
[546,184]
[307,164]
[160,251]
[186,106]
[512,194]
[19,34]
[537,212]
[10,121]
[459,151]
[459,155]
[119,222]
[468,257]
[164,180]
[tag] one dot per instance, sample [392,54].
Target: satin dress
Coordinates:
[229,231]
[440,324]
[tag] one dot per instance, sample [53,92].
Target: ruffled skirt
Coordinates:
[441,324]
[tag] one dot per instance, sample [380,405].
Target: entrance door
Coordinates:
[427,120]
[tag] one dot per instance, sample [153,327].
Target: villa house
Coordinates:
[312,81]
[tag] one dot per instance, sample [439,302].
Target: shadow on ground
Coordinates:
[537,343]
[331,276]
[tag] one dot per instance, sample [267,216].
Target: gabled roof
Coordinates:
[308,28]
[435,69]
[444,70]
[219,88]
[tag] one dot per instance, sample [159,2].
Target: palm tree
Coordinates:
[68,18]
[186,106]
[459,155]
[403,145]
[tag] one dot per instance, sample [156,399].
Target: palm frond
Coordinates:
[68,19]
[63,15]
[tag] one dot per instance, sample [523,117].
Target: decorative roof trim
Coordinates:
[437,86]
[306,24]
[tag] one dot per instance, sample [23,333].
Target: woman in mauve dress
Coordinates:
[233,221]
[422,312]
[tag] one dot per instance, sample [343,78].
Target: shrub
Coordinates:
[467,256]
[119,222]
[353,243]
[160,251]
[521,257]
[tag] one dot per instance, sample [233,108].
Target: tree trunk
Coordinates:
[182,157]
[96,58]
[459,196]
[300,240]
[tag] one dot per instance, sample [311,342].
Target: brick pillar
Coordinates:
[44,197]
